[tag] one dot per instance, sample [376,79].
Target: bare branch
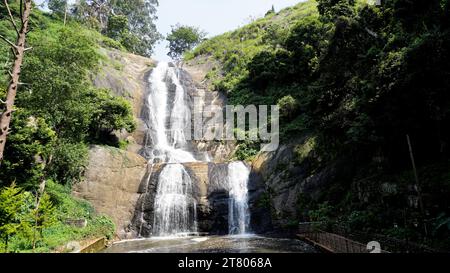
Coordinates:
[14,51]
[27,49]
[21,11]
[8,41]
[11,18]
[372,33]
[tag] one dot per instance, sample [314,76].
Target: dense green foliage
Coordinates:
[13,214]
[359,78]
[18,218]
[29,147]
[59,113]
[130,22]
[182,39]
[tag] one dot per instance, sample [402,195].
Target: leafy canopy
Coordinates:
[183,38]
[131,21]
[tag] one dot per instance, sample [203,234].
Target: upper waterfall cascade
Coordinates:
[168,120]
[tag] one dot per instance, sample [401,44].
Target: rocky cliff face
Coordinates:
[113,176]
[193,78]
[112,182]
[126,75]
[288,175]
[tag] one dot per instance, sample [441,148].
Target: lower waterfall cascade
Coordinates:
[175,205]
[175,208]
[238,212]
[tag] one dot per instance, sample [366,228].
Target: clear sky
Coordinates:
[213,16]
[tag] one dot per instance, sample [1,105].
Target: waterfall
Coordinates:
[174,205]
[238,211]
[168,121]
[171,190]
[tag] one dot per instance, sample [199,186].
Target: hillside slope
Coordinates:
[223,59]
[352,82]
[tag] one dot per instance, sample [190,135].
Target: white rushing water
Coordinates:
[168,120]
[238,211]
[175,207]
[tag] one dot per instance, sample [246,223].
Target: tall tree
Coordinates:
[141,17]
[140,33]
[59,8]
[18,50]
[43,216]
[183,38]
[94,13]
[11,221]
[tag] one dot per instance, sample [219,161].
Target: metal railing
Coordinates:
[338,239]
[329,241]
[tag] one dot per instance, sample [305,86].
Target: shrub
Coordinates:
[69,162]
[288,106]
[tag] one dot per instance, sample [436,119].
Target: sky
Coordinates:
[212,16]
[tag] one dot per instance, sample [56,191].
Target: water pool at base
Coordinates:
[212,244]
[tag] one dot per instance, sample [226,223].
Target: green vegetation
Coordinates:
[246,150]
[59,113]
[54,215]
[239,75]
[12,214]
[234,50]
[130,23]
[183,38]
[356,78]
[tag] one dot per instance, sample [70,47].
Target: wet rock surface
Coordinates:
[211,194]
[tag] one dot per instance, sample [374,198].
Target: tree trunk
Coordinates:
[39,195]
[34,233]
[65,12]
[19,50]
[6,243]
